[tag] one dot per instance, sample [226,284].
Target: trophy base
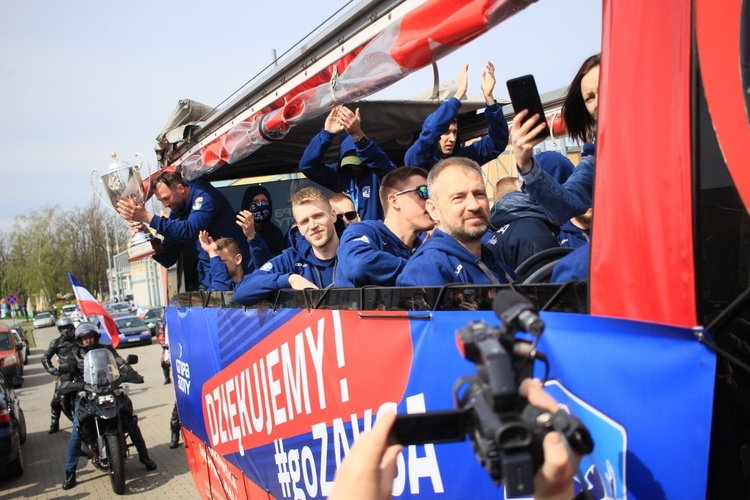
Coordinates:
[138,251]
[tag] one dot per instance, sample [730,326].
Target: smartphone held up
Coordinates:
[524,95]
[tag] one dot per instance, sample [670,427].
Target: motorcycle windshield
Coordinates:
[99,367]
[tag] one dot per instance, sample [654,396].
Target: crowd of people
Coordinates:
[385,224]
[427,223]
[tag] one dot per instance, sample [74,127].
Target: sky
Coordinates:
[80,79]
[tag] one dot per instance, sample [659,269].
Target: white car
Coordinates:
[68,309]
[44,319]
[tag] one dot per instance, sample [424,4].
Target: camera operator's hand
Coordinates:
[368,471]
[554,480]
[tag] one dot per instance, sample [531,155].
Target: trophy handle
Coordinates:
[95,173]
[141,158]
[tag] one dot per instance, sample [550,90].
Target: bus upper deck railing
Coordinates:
[567,297]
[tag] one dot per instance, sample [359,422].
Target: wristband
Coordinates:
[362,142]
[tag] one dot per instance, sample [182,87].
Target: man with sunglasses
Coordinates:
[361,166]
[454,253]
[343,207]
[375,252]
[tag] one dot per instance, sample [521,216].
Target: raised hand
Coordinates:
[246,221]
[463,83]
[523,137]
[332,124]
[207,243]
[351,122]
[488,83]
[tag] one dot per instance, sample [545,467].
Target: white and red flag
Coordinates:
[91,307]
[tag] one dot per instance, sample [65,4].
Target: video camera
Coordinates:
[506,432]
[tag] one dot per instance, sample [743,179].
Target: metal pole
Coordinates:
[109,264]
[117,270]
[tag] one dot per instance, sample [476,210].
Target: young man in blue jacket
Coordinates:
[375,252]
[439,136]
[310,261]
[226,261]
[360,167]
[194,206]
[454,253]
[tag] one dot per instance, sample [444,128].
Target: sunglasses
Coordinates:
[350,215]
[421,191]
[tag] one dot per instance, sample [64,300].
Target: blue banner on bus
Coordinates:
[281,397]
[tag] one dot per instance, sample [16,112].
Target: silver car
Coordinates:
[44,319]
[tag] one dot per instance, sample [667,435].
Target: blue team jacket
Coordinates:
[219,274]
[441,260]
[364,191]
[299,258]
[206,208]
[573,236]
[425,152]
[370,254]
[562,202]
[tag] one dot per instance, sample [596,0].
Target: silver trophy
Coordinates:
[123,180]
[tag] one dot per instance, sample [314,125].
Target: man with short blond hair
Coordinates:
[309,262]
[454,253]
[226,261]
[375,252]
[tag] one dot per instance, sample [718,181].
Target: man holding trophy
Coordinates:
[194,206]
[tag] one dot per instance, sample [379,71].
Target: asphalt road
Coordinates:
[44,454]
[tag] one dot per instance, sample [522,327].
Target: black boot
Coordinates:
[145,460]
[55,425]
[70,480]
[175,442]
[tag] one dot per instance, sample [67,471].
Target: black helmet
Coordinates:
[86,329]
[66,327]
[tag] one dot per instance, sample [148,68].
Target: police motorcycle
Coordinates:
[105,412]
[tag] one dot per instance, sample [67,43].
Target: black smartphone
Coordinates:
[445,426]
[524,95]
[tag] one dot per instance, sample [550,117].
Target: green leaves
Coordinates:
[47,243]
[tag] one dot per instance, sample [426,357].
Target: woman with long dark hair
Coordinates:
[574,197]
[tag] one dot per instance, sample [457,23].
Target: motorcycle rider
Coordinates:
[87,338]
[61,346]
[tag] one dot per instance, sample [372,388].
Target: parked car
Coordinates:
[43,320]
[23,341]
[11,362]
[68,309]
[133,330]
[12,427]
[120,307]
[153,317]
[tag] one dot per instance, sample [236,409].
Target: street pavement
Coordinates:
[44,454]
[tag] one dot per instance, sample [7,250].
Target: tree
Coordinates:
[38,256]
[85,231]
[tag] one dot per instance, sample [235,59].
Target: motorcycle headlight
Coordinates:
[106,400]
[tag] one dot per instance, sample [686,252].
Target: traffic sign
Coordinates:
[11,299]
